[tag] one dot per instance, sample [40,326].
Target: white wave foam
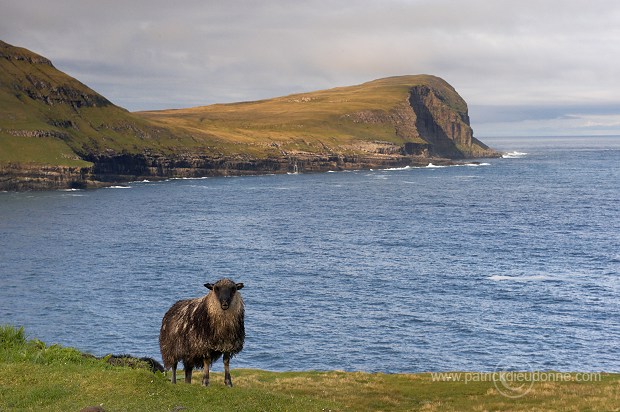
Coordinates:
[432,166]
[398,168]
[513,155]
[119,187]
[70,190]
[526,278]
[477,164]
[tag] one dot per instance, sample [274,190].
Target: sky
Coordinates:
[525,67]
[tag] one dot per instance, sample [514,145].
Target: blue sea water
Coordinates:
[515,260]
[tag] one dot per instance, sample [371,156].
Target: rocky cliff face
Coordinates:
[431,124]
[445,128]
[126,168]
[20,177]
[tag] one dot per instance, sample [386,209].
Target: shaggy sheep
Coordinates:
[199,331]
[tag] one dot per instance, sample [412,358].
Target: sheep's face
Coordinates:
[224,290]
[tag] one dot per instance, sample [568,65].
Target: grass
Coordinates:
[337,119]
[35,376]
[38,150]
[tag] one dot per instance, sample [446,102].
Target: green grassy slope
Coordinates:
[35,376]
[49,117]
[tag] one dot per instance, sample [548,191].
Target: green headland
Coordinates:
[56,132]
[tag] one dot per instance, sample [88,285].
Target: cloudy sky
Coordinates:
[525,67]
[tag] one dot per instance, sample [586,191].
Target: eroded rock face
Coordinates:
[443,127]
[135,167]
[37,177]
[430,124]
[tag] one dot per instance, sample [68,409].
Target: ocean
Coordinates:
[512,261]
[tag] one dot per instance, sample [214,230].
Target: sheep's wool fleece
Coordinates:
[199,328]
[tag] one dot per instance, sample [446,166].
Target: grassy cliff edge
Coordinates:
[35,376]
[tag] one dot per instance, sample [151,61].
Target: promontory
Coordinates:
[56,132]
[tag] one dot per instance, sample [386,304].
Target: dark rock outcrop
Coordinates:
[20,177]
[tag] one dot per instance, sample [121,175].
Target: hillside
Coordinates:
[54,129]
[55,132]
[407,115]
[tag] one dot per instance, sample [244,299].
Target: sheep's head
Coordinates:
[224,290]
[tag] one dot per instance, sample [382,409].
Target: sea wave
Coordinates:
[524,278]
[513,155]
[118,187]
[476,164]
[188,178]
[434,166]
[398,168]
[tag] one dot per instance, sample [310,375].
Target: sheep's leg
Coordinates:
[205,378]
[174,372]
[188,373]
[227,379]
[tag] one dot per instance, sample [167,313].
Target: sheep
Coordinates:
[199,331]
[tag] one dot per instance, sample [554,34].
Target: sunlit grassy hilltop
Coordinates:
[354,119]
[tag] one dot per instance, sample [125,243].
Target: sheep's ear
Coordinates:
[239,286]
[209,286]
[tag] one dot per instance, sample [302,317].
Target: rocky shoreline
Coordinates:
[111,170]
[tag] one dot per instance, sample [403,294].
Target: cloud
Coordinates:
[547,121]
[151,54]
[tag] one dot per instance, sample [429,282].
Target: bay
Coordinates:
[510,261]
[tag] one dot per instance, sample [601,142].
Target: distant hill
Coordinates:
[421,115]
[56,132]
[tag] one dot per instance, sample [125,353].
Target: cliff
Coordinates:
[56,132]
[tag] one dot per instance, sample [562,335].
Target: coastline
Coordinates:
[113,170]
